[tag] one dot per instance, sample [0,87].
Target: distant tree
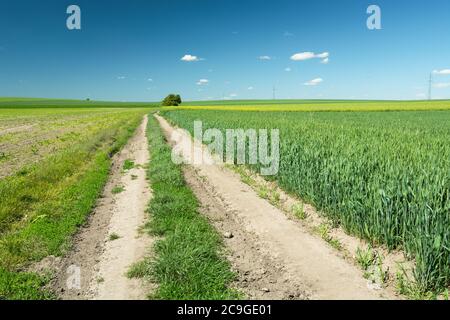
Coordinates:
[172,100]
[88,99]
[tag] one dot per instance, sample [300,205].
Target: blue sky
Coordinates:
[124,44]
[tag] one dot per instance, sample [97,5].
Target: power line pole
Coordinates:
[430,84]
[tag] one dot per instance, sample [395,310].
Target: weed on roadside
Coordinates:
[298,210]
[128,164]
[118,189]
[113,236]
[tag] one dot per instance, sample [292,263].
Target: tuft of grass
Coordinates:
[134,177]
[141,269]
[188,262]
[244,175]
[365,257]
[113,236]
[381,275]
[371,262]
[275,198]
[128,164]
[298,210]
[263,192]
[323,230]
[335,243]
[118,189]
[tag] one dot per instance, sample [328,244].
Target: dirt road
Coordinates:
[274,257]
[111,241]
[300,265]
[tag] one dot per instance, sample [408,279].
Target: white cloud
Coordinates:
[121,77]
[190,58]
[202,82]
[421,95]
[233,95]
[264,58]
[325,61]
[288,34]
[314,82]
[250,88]
[441,85]
[302,56]
[443,72]
[287,69]
[150,79]
[323,55]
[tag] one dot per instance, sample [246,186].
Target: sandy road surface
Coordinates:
[104,262]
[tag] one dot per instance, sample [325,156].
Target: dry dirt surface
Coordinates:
[274,256]
[259,275]
[16,129]
[102,261]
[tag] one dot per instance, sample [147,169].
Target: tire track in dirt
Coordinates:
[103,262]
[259,276]
[307,262]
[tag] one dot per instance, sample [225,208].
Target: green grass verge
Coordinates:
[188,262]
[23,286]
[43,205]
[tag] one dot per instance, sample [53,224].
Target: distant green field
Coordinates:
[317,105]
[273,102]
[15,103]
[237,105]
